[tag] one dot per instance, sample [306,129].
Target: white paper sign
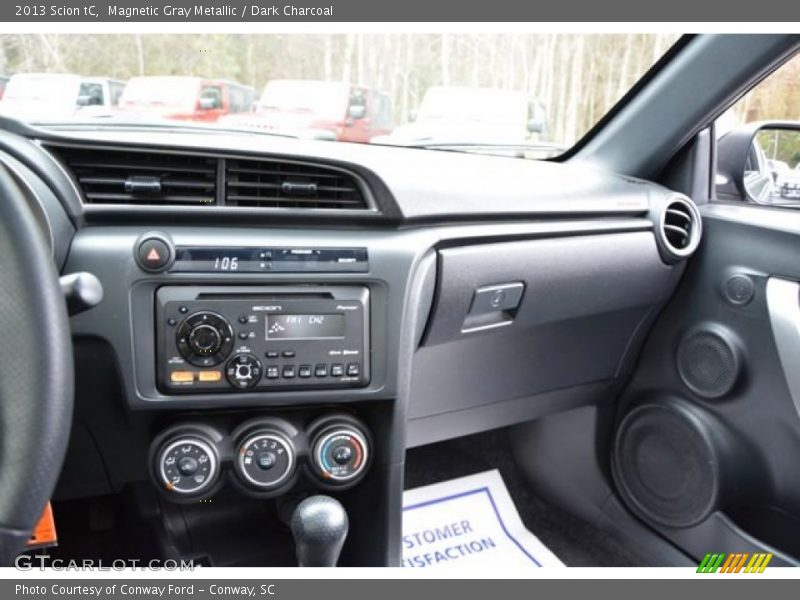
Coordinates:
[469,522]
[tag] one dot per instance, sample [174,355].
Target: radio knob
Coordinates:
[205,339]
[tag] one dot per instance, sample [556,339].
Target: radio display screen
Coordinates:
[305,327]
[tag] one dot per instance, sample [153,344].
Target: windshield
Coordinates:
[474,104]
[41,87]
[176,92]
[31,97]
[319,97]
[520,95]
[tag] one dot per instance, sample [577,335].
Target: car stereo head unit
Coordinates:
[254,339]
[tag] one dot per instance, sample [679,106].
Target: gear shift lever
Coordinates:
[319,526]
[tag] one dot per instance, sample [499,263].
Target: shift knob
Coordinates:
[319,525]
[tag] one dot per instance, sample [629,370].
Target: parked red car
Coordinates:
[341,111]
[185,98]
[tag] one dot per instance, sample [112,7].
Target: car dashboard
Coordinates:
[271,316]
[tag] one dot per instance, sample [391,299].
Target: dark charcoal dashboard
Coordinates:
[282,316]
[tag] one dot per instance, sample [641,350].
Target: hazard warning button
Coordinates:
[153,254]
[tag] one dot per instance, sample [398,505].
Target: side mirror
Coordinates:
[357,111]
[535,125]
[83,101]
[747,159]
[208,103]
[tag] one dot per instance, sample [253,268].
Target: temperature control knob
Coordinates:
[340,454]
[265,460]
[187,466]
[243,371]
[205,339]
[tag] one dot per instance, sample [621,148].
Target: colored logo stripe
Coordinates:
[758,563]
[734,563]
[710,563]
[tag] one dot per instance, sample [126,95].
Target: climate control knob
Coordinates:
[243,371]
[340,454]
[187,466]
[265,460]
[205,339]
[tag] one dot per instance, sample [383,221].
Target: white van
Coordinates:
[487,115]
[56,95]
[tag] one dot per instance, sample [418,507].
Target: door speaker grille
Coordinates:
[708,363]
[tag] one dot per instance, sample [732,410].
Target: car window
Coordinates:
[381,112]
[358,97]
[758,143]
[212,95]
[116,90]
[542,92]
[91,94]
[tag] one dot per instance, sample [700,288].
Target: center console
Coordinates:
[260,368]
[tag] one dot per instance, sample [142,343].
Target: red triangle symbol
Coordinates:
[153,255]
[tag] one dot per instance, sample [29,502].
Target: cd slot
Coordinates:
[265,297]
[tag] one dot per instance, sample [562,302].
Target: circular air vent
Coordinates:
[680,227]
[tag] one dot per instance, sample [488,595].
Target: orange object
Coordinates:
[181,376]
[44,534]
[209,376]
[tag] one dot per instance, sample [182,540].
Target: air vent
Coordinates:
[680,227]
[279,184]
[150,178]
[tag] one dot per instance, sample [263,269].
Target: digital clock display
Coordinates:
[226,263]
[269,259]
[305,327]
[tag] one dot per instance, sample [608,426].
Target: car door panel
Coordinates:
[734,320]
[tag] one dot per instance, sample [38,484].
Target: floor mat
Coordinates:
[574,541]
[469,522]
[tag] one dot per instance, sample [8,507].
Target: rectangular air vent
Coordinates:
[280,184]
[110,176]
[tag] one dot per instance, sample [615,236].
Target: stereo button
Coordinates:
[243,371]
[337,370]
[304,371]
[181,376]
[209,376]
[321,370]
[288,372]
[273,372]
[352,370]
